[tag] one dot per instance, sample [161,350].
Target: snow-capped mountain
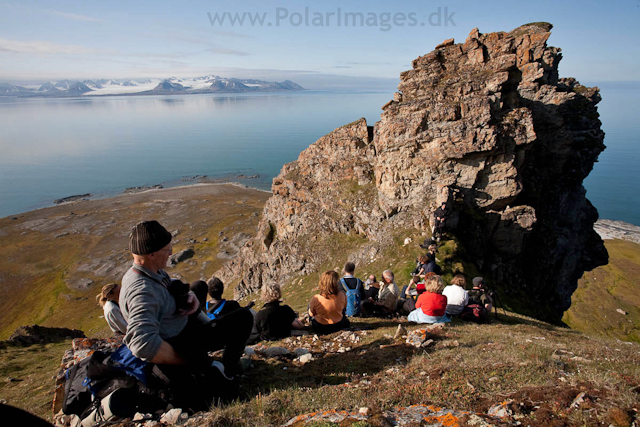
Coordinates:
[173,85]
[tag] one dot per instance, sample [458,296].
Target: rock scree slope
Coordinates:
[487,126]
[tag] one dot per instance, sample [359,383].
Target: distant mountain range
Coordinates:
[173,85]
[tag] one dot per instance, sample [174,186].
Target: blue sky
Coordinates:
[47,40]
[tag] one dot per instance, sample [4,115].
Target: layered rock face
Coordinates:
[487,126]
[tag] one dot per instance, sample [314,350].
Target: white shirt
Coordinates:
[114,317]
[457,299]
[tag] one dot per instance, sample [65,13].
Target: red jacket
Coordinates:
[432,304]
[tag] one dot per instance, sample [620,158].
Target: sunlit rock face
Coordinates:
[486,126]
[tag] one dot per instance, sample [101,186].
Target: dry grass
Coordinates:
[470,367]
[33,369]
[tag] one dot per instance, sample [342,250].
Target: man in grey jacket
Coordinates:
[162,331]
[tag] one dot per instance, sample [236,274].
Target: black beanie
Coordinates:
[147,237]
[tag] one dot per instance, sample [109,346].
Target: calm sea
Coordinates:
[54,148]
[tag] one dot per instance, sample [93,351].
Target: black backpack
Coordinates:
[95,377]
[77,395]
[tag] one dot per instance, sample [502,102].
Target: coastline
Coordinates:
[123,194]
[607,229]
[610,229]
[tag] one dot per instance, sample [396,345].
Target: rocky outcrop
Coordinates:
[35,334]
[488,127]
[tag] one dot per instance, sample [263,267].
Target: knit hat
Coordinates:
[148,237]
[478,282]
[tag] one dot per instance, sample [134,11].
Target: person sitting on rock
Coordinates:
[108,300]
[387,301]
[480,303]
[160,329]
[371,288]
[431,305]
[432,266]
[432,250]
[274,321]
[408,296]
[327,308]
[421,287]
[218,306]
[351,283]
[421,267]
[457,296]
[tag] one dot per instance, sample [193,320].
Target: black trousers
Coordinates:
[321,329]
[229,332]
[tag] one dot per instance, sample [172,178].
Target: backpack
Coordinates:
[474,313]
[215,312]
[124,360]
[353,297]
[94,378]
[77,395]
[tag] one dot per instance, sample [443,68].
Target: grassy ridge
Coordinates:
[33,369]
[604,290]
[469,367]
[43,252]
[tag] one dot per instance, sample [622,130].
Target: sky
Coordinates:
[298,40]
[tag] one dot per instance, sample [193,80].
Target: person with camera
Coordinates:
[165,325]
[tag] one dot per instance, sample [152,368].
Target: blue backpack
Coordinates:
[353,297]
[215,312]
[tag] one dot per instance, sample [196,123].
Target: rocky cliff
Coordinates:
[486,125]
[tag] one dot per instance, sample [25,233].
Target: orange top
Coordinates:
[328,311]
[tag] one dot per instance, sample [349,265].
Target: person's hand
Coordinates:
[192,303]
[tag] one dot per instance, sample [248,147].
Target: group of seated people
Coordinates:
[274,321]
[424,300]
[173,325]
[437,303]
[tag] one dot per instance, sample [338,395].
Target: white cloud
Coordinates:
[41,47]
[72,16]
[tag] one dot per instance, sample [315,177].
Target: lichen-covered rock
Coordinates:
[486,125]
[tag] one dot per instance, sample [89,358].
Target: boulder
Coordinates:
[35,334]
[180,256]
[275,352]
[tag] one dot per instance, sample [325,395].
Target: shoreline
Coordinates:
[607,229]
[122,194]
